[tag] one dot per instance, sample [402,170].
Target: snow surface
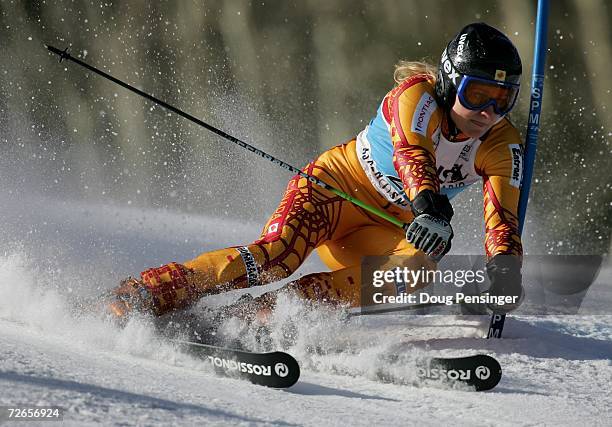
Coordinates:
[557,370]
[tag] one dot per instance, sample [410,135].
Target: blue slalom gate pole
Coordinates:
[531,139]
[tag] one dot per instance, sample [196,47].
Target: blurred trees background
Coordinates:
[292,78]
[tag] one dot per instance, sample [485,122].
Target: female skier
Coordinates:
[434,134]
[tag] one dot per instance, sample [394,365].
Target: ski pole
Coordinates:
[496,325]
[64,55]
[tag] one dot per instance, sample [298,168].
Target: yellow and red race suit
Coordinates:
[402,151]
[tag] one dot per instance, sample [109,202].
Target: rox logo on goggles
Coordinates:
[476,93]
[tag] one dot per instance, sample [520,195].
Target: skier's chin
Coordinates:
[474,129]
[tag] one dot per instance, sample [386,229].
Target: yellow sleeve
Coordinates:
[500,163]
[414,115]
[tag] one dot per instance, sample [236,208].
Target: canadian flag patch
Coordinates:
[272,229]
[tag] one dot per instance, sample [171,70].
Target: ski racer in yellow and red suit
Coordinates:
[434,134]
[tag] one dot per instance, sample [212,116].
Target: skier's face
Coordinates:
[473,123]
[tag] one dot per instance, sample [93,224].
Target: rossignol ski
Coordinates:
[480,371]
[272,369]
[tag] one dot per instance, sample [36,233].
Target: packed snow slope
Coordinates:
[557,370]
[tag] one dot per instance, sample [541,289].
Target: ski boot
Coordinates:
[254,315]
[248,309]
[159,291]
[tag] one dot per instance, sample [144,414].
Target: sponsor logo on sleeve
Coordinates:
[425,108]
[516,175]
[390,187]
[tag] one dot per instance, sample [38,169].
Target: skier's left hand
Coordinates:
[504,272]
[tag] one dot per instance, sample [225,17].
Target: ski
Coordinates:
[480,371]
[274,369]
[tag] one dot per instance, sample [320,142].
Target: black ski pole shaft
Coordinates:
[64,55]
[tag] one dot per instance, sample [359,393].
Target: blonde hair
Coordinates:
[406,69]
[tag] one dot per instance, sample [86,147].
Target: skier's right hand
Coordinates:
[430,231]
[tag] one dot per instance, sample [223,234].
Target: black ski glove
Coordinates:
[504,272]
[434,204]
[430,231]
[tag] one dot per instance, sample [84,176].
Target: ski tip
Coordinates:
[480,372]
[275,369]
[488,375]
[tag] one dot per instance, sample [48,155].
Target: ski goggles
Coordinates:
[477,94]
